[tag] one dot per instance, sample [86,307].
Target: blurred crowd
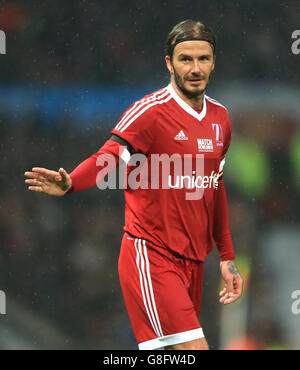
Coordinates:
[123,42]
[59,256]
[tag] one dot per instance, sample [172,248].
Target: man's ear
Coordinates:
[214,63]
[168,63]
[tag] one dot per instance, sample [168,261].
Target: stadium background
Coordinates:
[70,70]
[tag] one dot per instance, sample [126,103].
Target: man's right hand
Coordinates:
[48,182]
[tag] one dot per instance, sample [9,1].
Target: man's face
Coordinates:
[191,66]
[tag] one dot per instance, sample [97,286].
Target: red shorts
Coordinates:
[162,294]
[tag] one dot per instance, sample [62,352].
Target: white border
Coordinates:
[170,340]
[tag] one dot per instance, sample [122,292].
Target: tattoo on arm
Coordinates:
[232,268]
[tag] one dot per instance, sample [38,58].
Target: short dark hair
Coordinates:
[189,30]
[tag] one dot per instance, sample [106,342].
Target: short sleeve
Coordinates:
[137,127]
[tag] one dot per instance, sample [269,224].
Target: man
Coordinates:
[169,230]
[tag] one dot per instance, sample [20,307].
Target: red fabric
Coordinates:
[221,231]
[160,124]
[84,176]
[177,218]
[162,292]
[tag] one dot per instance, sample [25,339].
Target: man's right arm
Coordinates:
[84,176]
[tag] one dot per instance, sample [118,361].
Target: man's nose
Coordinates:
[196,67]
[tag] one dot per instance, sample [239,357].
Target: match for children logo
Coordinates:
[2,42]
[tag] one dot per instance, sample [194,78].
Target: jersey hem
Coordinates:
[170,340]
[160,247]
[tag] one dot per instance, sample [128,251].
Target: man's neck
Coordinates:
[196,103]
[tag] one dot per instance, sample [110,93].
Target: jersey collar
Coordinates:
[186,107]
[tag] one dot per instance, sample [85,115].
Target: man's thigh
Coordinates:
[156,296]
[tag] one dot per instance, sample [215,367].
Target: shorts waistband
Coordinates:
[182,257]
[175,254]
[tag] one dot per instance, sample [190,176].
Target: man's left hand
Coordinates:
[233,282]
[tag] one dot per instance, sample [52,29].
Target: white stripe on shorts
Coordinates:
[146,286]
[142,287]
[151,289]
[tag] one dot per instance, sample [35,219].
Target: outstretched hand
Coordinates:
[48,182]
[233,282]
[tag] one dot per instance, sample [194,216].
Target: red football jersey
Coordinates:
[175,218]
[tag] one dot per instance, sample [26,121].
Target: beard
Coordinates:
[180,84]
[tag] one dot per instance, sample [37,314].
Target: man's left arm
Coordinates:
[221,231]
[222,236]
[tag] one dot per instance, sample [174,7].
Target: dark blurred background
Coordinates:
[69,71]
